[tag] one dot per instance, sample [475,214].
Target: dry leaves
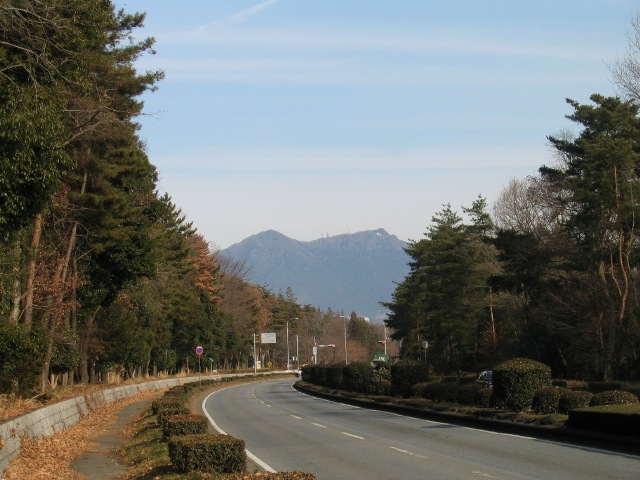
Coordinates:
[52,457]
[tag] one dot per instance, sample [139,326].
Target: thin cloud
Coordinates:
[240,16]
[458,42]
[310,160]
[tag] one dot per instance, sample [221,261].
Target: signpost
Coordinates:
[199,352]
[267,338]
[425,345]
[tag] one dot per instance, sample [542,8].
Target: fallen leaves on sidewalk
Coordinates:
[52,457]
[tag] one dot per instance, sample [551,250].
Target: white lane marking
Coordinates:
[352,435]
[250,455]
[407,452]
[485,475]
[399,450]
[498,433]
[296,417]
[319,425]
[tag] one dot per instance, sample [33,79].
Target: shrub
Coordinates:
[381,380]
[614,419]
[598,387]
[442,392]
[405,374]
[189,424]
[572,399]
[418,390]
[547,399]
[334,375]
[467,393]
[613,397]
[357,377]
[19,372]
[315,374]
[208,453]
[483,397]
[165,404]
[516,381]
[167,412]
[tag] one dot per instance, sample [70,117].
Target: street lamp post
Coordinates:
[255,363]
[288,365]
[346,357]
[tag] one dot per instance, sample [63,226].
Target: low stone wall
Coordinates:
[48,420]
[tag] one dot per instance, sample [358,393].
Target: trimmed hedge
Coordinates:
[613,419]
[547,399]
[516,381]
[188,424]
[166,403]
[357,377]
[208,453]
[483,397]
[334,375]
[467,393]
[573,399]
[442,392]
[167,412]
[419,390]
[613,397]
[405,374]
[598,387]
[381,380]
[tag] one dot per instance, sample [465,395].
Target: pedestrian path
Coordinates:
[100,461]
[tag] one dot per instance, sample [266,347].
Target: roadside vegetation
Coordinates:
[523,391]
[103,280]
[149,456]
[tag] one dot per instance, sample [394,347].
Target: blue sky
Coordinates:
[324,117]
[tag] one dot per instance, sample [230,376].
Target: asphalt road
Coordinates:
[287,430]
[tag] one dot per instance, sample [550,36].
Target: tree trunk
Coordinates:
[85,341]
[27,318]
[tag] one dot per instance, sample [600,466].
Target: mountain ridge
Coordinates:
[346,272]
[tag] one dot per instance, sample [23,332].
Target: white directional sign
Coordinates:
[267,338]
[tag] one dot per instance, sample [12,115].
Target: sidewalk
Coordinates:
[100,460]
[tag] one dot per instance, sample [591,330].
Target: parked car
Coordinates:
[486,378]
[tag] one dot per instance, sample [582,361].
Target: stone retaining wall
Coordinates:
[48,420]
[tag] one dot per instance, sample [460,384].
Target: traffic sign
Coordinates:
[267,338]
[199,350]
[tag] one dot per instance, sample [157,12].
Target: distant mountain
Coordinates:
[349,272]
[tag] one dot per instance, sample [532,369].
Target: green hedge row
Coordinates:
[208,453]
[184,424]
[613,419]
[362,377]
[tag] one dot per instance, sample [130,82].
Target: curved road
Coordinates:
[288,430]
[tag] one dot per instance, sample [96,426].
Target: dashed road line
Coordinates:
[407,452]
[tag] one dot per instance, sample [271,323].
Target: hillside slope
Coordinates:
[348,272]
